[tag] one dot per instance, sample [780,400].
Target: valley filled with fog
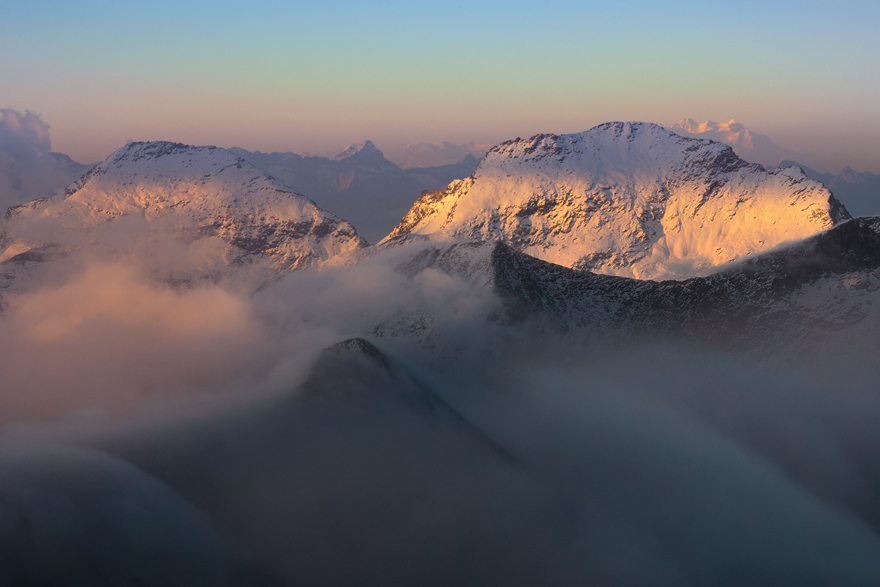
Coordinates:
[488,451]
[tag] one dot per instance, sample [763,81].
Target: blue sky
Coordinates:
[316,76]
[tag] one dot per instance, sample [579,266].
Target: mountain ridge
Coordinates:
[859,191]
[798,300]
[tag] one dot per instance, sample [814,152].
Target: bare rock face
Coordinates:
[200,197]
[628,199]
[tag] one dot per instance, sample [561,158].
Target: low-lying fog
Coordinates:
[178,435]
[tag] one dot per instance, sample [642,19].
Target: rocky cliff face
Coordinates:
[628,199]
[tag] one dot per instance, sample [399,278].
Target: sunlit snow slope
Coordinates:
[631,199]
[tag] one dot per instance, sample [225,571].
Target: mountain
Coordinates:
[220,209]
[859,192]
[435,154]
[543,454]
[27,178]
[359,183]
[752,147]
[630,199]
[811,300]
[28,167]
[362,444]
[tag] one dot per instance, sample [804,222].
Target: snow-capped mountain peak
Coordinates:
[631,199]
[185,192]
[367,148]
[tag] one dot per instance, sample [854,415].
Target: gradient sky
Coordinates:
[309,76]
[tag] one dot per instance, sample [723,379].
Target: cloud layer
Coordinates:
[157,432]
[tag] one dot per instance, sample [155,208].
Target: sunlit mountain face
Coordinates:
[616,357]
[629,199]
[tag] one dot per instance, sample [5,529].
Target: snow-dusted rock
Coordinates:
[163,191]
[629,199]
[804,301]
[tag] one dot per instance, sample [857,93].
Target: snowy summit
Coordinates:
[631,199]
[188,193]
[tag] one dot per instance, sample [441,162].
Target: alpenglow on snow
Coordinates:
[631,199]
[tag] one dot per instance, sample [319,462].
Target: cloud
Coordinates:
[78,517]
[23,135]
[669,473]
[633,462]
[110,339]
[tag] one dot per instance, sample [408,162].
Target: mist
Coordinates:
[23,135]
[183,432]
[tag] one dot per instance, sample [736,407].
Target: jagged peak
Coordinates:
[365,148]
[850,175]
[630,138]
[360,346]
[154,149]
[689,125]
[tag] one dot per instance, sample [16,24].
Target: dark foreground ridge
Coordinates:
[756,306]
[746,306]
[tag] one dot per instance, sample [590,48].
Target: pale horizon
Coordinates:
[288,77]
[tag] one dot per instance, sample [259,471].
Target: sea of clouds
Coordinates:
[157,431]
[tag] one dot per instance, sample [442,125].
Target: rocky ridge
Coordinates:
[794,301]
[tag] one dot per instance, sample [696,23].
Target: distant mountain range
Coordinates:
[359,184]
[753,147]
[23,179]
[859,191]
[629,199]
[437,154]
